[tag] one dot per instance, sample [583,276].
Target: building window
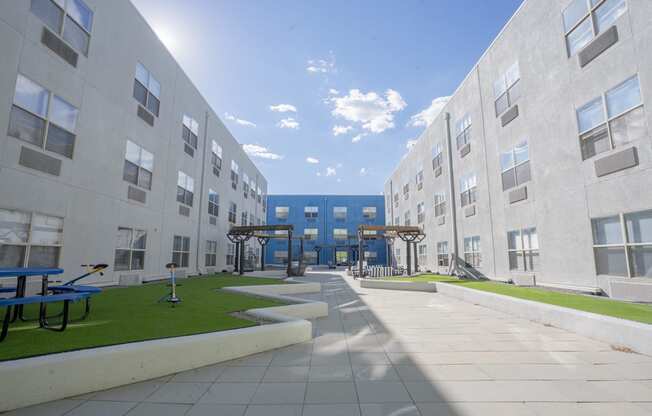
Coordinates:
[181,251]
[311,212]
[230,254]
[406,216]
[235,174]
[612,120]
[515,165]
[139,165]
[130,249]
[71,19]
[623,244]
[42,118]
[371,257]
[259,196]
[437,156]
[252,187]
[233,208]
[421,212]
[147,90]
[507,89]
[189,133]
[585,19]
[216,157]
[369,213]
[340,233]
[310,233]
[251,218]
[243,219]
[419,178]
[463,131]
[29,239]
[213,203]
[472,254]
[281,257]
[185,189]
[442,254]
[523,250]
[468,189]
[398,255]
[406,191]
[339,213]
[282,213]
[440,204]
[422,252]
[211,253]
[245,185]
[396,199]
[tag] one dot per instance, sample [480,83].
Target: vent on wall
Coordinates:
[469,211]
[189,150]
[184,210]
[597,46]
[509,116]
[136,194]
[212,220]
[59,47]
[146,116]
[39,161]
[616,162]
[517,195]
[465,150]
[438,172]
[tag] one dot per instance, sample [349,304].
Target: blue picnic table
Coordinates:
[21,274]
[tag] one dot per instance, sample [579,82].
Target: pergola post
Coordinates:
[300,254]
[360,252]
[409,258]
[263,245]
[236,262]
[242,252]
[416,257]
[289,269]
[317,249]
[389,247]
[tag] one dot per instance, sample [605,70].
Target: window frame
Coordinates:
[213,203]
[468,193]
[65,15]
[190,131]
[421,212]
[148,89]
[369,213]
[185,195]
[311,212]
[47,119]
[338,235]
[463,131]
[607,120]
[442,255]
[440,204]
[437,156]
[182,252]
[590,15]
[29,243]
[131,250]
[474,255]
[527,253]
[507,87]
[514,166]
[139,167]
[233,213]
[211,254]
[284,212]
[340,213]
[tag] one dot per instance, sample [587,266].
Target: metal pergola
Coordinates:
[240,234]
[350,244]
[409,234]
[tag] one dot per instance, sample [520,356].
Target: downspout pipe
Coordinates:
[453,206]
[201,194]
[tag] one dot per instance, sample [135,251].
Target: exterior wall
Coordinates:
[90,193]
[564,192]
[325,223]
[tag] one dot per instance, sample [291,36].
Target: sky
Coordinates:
[325,96]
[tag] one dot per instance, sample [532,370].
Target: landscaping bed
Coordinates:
[587,303]
[123,315]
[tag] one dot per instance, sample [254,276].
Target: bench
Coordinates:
[66,298]
[81,289]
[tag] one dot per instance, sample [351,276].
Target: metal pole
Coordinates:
[416,258]
[289,269]
[262,256]
[360,252]
[451,181]
[300,264]
[409,259]
[201,192]
[242,251]
[237,256]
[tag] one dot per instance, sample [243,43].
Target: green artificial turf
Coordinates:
[603,306]
[121,315]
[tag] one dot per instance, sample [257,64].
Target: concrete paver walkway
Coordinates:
[382,353]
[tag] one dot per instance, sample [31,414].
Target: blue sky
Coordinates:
[325,95]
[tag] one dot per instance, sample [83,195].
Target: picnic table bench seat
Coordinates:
[66,298]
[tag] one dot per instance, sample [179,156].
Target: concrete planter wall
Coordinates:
[51,377]
[619,332]
[398,285]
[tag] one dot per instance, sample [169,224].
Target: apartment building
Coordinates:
[538,170]
[108,152]
[329,225]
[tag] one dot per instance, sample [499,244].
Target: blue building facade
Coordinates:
[329,224]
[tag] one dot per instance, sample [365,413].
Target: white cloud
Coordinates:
[283,108]
[331,171]
[312,160]
[288,123]
[239,121]
[337,130]
[357,138]
[318,173]
[322,66]
[410,144]
[428,115]
[256,150]
[372,110]
[363,171]
[333,91]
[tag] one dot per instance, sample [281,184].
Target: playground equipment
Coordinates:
[172,296]
[409,234]
[72,286]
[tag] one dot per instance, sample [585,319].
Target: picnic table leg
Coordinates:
[64,320]
[20,293]
[42,307]
[5,324]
